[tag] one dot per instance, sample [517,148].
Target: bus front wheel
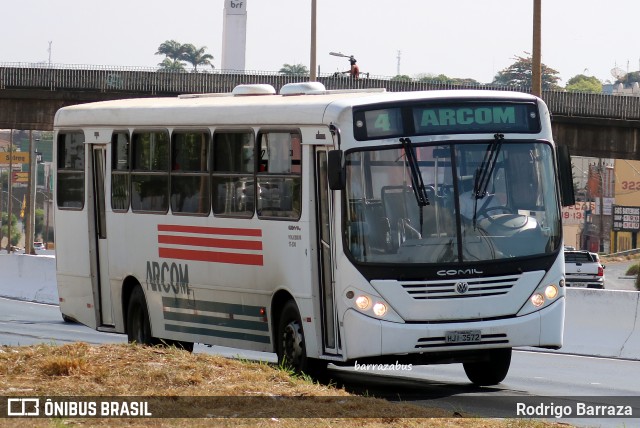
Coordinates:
[491,371]
[138,324]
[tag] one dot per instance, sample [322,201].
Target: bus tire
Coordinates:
[290,344]
[138,324]
[491,371]
[68,319]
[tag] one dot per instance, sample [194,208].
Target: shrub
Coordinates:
[633,269]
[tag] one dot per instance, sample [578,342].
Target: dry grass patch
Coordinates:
[82,370]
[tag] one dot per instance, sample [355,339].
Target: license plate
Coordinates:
[462,336]
[577,285]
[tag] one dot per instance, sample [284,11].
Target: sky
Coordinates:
[459,38]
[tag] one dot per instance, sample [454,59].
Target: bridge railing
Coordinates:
[152,81]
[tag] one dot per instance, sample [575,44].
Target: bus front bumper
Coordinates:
[370,337]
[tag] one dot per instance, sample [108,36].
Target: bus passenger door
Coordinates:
[324,217]
[98,244]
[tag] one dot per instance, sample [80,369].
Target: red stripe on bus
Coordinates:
[211,256]
[210,242]
[209,230]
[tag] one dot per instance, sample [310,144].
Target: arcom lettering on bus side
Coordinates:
[168,277]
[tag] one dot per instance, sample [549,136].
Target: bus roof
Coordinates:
[225,109]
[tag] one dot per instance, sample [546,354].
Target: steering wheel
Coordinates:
[484,212]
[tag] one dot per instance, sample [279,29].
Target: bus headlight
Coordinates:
[371,305]
[380,309]
[537,299]
[551,292]
[363,302]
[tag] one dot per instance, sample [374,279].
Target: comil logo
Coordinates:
[23,407]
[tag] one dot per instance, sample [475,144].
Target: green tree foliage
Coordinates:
[171,49]
[196,56]
[519,74]
[171,65]
[582,83]
[294,70]
[446,80]
[15,233]
[629,79]
[401,78]
[176,54]
[39,222]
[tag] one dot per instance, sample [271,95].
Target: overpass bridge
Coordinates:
[595,125]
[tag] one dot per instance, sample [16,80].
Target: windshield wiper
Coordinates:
[484,171]
[416,178]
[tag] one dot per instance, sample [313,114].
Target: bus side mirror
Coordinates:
[336,171]
[565,176]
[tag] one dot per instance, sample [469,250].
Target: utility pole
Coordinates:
[31,218]
[9,193]
[398,68]
[1,235]
[601,183]
[536,60]
[312,72]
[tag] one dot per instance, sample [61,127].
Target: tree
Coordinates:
[401,78]
[15,233]
[582,83]
[294,70]
[171,65]
[196,56]
[173,52]
[629,79]
[519,74]
[171,49]
[446,80]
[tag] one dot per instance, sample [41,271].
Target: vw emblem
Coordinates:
[462,287]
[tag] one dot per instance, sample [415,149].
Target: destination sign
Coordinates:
[459,118]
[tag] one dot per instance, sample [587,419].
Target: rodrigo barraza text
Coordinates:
[576,409]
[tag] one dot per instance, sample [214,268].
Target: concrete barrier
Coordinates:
[601,323]
[26,277]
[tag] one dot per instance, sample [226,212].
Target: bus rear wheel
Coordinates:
[290,345]
[491,371]
[138,324]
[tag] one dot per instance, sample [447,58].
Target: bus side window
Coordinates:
[70,188]
[150,175]
[120,171]
[279,177]
[232,185]
[190,173]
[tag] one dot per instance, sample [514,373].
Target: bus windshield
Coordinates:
[477,210]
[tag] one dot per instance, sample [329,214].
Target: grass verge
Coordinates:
[82,370]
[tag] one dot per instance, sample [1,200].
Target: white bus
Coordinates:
[324,226]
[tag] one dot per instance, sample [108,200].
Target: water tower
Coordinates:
[234,35]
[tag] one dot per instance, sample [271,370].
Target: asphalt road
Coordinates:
[536,376]
[616,278]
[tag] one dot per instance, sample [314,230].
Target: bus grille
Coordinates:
[459,288]
[485,339]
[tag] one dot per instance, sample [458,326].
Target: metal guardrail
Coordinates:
[153,81]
